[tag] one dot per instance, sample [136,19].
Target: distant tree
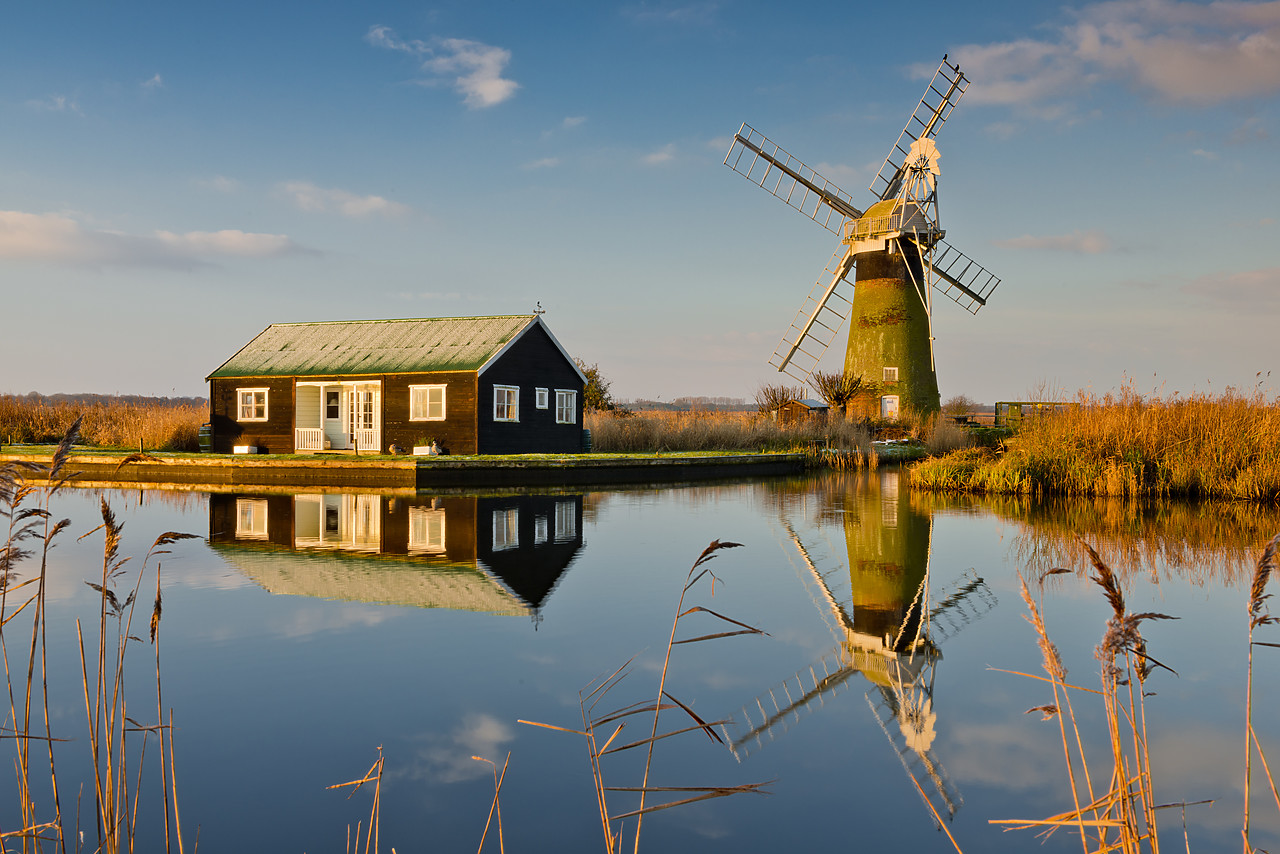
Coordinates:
[959,405]
[596,396]
[771,398]
[837,388]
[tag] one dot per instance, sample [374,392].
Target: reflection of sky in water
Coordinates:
[277,696]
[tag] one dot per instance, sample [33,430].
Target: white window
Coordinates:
[506,529]
[426,403]
[251,518]
[566,521]
[426,531]
[891,375]
[540,398]
[506,403]
[251,404]
[566,407]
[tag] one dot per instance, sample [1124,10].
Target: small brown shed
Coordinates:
[474,385]
[796,411]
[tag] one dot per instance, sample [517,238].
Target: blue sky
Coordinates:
[175,178]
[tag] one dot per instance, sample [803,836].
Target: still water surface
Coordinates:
[307,630]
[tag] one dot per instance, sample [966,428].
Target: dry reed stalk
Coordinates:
[591,721]
[1258,616]
[372,830]
[496,806]
[1128,806]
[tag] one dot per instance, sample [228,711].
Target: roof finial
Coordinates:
[540,309]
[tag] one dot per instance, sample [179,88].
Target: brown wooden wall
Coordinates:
[273,436]
[457,433]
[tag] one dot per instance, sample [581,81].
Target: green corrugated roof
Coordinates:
[354,347]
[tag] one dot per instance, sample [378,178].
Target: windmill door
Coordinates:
[889,407]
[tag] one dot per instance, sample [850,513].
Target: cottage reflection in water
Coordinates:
[887,625]
[500,554]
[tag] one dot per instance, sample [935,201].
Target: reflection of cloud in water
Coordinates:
[1197,764]
[446,758]
[304,622]
[995,755]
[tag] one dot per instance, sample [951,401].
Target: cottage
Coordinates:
[474,385]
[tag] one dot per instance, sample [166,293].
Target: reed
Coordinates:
[1268,564]
[116,741]
[596,725]
[665,432]
[107,425]
[1123,816]
[1199,446]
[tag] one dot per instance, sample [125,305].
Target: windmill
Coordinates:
[891,637]
[896,248]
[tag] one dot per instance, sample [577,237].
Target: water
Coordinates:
[305,631]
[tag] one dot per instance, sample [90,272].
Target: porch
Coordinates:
[338,416]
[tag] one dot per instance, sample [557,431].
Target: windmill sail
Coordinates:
[961,278]
[766,165]
[944,92]
[818,321]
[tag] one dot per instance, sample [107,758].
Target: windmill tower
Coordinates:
[889,629]
[896,249]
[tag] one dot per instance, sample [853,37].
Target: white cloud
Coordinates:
[663,155]
[573,121]
[1178,51]
[544,163]
[476,68]
[309,197]
[680,14]
[840,174]
[154,83]
[56,104]
[219,184]
[1090,242]
[61,240]
[1251,289]
[1207,155]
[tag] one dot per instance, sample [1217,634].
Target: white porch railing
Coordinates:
[368,440]
[308,439]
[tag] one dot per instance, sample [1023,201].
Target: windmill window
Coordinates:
[891,375]
[566,406]
[506,403]
[251,404]
[426,403]
[540,398]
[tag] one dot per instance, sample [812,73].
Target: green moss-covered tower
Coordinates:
[890,339]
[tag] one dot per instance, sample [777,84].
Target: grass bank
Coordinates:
[106,425]
[1225,446]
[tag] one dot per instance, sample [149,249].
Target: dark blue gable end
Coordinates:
[533,362]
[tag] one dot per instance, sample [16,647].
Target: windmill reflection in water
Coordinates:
[889,631]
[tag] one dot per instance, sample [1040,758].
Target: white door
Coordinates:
[889,407]
[335,425]
[364,418]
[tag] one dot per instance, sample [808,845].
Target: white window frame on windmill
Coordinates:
[890,374]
